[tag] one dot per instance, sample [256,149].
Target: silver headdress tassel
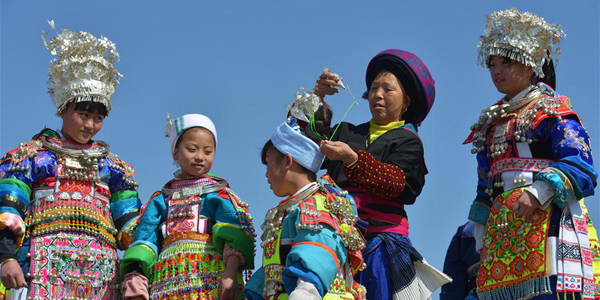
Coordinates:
[83,69]
[520,36]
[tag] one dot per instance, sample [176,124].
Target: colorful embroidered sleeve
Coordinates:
[124,201]
[316,255]
[145,248]
[480,209]
[19,170]
[233,224]
[374,177]
[573,170]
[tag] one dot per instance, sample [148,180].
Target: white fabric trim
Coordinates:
[19,294]
[543,192]
[304,291]
[522,179]
[479,232]
[552,255]
[427,281]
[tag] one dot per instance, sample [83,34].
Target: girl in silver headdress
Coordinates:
[534,167]
[66,203]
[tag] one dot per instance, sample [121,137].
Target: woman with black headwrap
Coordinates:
[381,164]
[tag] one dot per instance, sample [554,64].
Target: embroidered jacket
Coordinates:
[556,142]
[66,201]
[181,236]
[310,236]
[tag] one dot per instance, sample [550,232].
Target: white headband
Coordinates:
[179,125]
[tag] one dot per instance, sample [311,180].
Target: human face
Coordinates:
[277,168]
[195,152]
[80,126]
[510,77]
[387,100]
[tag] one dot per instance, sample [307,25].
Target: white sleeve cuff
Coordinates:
[542,191]
[304,291]
[479,231]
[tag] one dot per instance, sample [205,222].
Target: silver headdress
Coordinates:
[305,105]
[83,69]
[524,37]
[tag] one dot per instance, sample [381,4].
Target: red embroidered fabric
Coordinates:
[379,179]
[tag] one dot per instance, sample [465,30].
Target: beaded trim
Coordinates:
[188,269]
[186,236]
[519,164]
[523,111]
[274,217]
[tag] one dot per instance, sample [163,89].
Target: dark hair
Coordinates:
[549,74]
[322,122]
[263,154]
[91,107]
[187,130]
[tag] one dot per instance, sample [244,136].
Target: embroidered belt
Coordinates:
[398,224]
[519,164]
[186,236]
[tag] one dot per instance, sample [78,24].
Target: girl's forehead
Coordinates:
[198,134]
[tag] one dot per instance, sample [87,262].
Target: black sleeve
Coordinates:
[407,153]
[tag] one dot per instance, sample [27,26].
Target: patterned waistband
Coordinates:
[186,236]
[519,164]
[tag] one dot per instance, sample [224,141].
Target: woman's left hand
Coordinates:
[526,204]
[335,150]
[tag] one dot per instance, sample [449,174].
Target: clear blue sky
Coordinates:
[240,63]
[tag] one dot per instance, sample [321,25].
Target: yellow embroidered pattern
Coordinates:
[573,140]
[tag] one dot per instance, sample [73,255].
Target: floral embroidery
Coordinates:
[513,247]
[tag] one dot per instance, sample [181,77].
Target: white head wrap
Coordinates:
[176,127]
[289,141]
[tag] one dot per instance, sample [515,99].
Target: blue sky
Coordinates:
[241,62]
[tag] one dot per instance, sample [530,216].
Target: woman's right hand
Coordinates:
[326,84]
[12,275]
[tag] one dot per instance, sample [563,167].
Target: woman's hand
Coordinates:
[335,150]
[228,287]
[12,275]
[326,85]
[526,204]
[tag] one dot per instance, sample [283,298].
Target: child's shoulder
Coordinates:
[30,148]
[24,151]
